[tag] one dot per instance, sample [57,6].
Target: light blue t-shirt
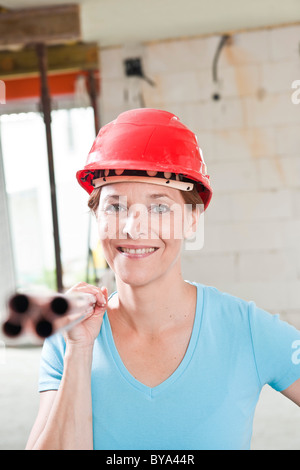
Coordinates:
[209,401]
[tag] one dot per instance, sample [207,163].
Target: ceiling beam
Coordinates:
[61,58]
[48,25]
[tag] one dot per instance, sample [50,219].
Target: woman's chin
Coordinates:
[135,280]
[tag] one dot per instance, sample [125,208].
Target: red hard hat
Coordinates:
[150,140]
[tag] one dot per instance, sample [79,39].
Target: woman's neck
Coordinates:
[161,304]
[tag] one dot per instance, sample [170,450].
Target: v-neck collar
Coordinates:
[153,391]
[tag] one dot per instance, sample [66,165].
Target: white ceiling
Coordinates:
[115,22]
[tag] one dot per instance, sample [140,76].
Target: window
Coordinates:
[25,164]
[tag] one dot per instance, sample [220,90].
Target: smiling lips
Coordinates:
[137,251]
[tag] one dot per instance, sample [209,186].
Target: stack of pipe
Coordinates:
[43,311]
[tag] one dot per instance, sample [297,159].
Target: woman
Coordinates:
[163,363]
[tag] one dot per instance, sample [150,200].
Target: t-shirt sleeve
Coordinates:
[276,346]
[51,363]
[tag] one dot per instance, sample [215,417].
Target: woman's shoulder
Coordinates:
[222,307]
[221,297]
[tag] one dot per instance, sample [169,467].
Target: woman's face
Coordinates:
[142,227]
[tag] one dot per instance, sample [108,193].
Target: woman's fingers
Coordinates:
[101,295]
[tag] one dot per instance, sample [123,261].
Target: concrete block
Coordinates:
[293,289]
[206,84]
[166,57]
[291,167]
[198,116]
[153,96]
[111,63]
[239,80]
[295,202]
[228,113]
[209,269]
[247,48]
[284,43]
[292,316]
[243,237]
[178,87]
[112,92]
[234,176]
[273,109]
[175,56]
[291,235]
[278,77]
[287,139]
[265,266]
[245,143]
[184,86]
[279,172]
[271,296]
[108,114]
[203,50]
[220,209]
[271,174]
[261,205]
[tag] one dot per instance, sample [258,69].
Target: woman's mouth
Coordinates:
[137,252]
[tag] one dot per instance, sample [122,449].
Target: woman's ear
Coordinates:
[191,221]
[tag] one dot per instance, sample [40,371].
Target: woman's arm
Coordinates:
[293,392]
[46,401]
[64,421]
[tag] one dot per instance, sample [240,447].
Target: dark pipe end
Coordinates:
[59,305]
[19,303]
[10,329]
[43,328]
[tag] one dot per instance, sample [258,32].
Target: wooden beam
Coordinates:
[48,25]
[64,58]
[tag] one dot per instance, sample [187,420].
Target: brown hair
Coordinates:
[189,197]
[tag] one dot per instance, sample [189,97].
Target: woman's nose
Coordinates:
[136,222]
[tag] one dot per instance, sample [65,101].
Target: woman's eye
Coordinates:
[114,208]
[160,208]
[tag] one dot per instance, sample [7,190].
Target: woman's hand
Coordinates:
[85,332]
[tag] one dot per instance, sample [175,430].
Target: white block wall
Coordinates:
[251,144]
